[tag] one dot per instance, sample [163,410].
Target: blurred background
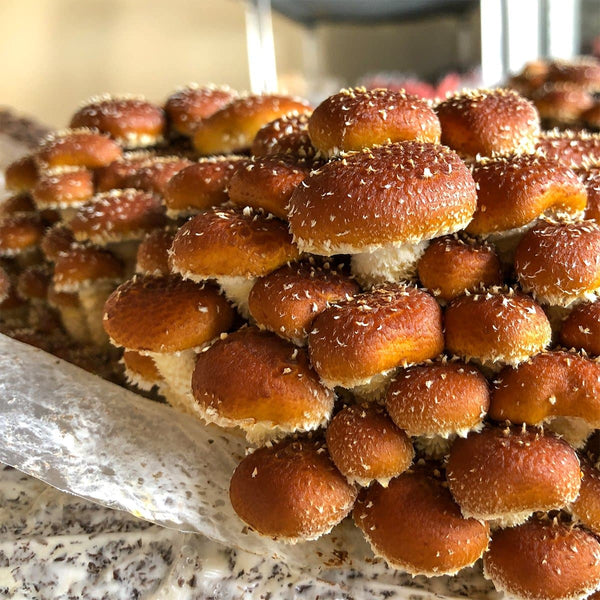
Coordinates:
[56,53]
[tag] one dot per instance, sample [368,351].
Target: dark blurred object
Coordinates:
[21,129]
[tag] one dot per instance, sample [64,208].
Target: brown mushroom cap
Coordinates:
[18,203]
[231,242]
[56,240]
[201,185]
[21,175]
[542,560]
[591,116]
[550,385]
[153,175]
[584,72]
[496,327]
[285,135]
[581,329]
[77,148]
[82,265]
[234,127]
[62,299]
[451,265]
[33,282]
[575,149]
[586,508]
[133,122]
[389,195]
[358,118]
[366,446]
[416,527]
[513,191]
[287,301]
[116,216]
[376,331]
[591,180]
[20,233]
[508,474]
[488,122]
[562,102]
[153,253]
[165,314]
[114,175]
[438,399]
[69,187]
[268,183]
[191,104]
[559,263]
[274,392]
[290,491]
[140,370]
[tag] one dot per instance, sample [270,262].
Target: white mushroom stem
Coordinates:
[176,369]
[93,297]
[389,263]
[74,320]
[236,290]
[374,388]
[434,446]
[574,430]
[126,251]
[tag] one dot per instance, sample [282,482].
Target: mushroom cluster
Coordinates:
[395,302]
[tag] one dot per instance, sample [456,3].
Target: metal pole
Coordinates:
[261,47]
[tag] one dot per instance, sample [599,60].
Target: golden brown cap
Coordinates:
[417,528]
[575,149]
[18,203]
[21,175]
[513,191]
[488,123]
[496,327]
[440,398]
[140,370]
[20,233]
[77,148]
[118,215]
[561,102]
[586,509]
[591,180]
[254,380]
[154,174]
[267,182]
[165,314]
[33,282]
[114,175]
[591,116]
[358,118]
[508,474]
[153,253]
[62,299]
[234,127]
[543,560]
[559,263]
[583,71]
[366,446]
[201,185]
[285,135]
[83,265]
[189,105]
[65,188]
[354,341]
[452,265]
[231,242]
[389,195]
[581,329]
[290,491]
[550,385]
[56,240]
[133,122]
[287,300]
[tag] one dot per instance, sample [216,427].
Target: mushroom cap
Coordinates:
[440,398]
[22,174]
[114,175]
[261,383]
[189,105]
[562,101]
[153,253]
[586,508]
[358,118]
[543,560]
[56,240]
[140,369]
[132,121]
[591,116]
[508,474]
[584,72]
[488,122]
[81,266]
[287,300]
[153,175]
[496,327]
[77,148]
[62,299]
[118,215]
[374,332]
[285,135]
[17,203]
[559,263]
[581,329]
[231,242]
[290,491]
[574,149]
[165,314]
[551,384]
[67,187]
[515,190]
[388,195]
[20,233]
[416,526]
[366,446]
[268,183]
[233,127]
[33,282]
[201,185]
[452,265]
